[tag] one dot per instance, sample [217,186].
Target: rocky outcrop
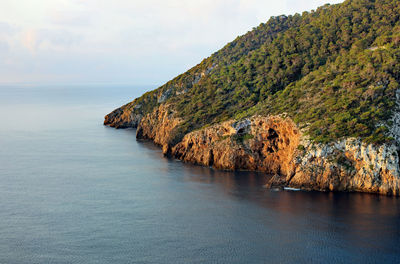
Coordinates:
[123,117]
[164,96]
[347,165]
[199,76]
[158,125]
[260,143]
[274,145]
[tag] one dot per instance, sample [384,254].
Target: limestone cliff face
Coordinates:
[272,144]
[347,165]
[158,125]
[260,143]
[123,117]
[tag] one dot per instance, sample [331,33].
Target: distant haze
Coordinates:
[135,42]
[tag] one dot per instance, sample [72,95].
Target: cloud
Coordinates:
[7,29]
[58,38]
[70,18]
[133,41]
[48,39]
[30,40]
[4,49]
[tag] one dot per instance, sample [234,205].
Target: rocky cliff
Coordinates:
[346,165]
[265,144]
[158,126]
[275,145]
[123,117]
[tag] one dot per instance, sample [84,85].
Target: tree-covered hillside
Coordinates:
[335,71]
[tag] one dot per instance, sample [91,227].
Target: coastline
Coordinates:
[274,145]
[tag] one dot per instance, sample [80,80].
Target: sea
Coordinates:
[75,191]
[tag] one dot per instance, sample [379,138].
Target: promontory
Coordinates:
[312,98]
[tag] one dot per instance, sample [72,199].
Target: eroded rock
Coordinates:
[123,117]
[274,145]
[158,125]
[348,165]
[261,144]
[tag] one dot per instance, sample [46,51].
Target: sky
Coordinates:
[123,42]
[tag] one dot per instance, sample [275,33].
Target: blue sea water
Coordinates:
[74,191]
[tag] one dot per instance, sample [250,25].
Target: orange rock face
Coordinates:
[122,118]
[158,125]
[260,143]
[271,144]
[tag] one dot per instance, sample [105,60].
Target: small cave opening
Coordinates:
[272,134]
[211,158]
[270,150]
[273,138]
[241,131]
[190,145]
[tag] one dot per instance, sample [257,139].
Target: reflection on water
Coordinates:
[367,222]
[250,186]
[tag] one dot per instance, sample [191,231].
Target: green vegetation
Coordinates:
[301,148]
[342,160]
[242,138]
[224,137]
[334,71]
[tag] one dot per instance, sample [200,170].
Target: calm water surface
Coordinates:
[74,191]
